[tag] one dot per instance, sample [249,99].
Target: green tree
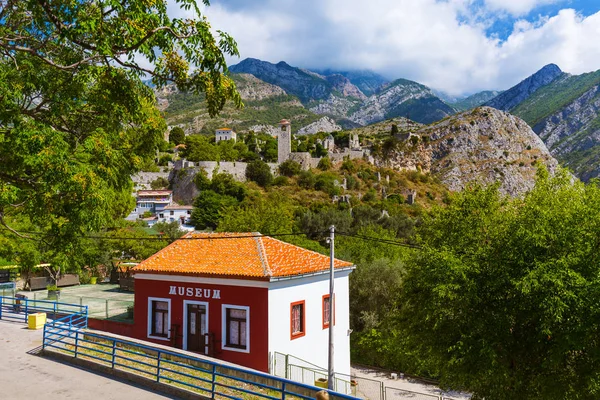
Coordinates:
[76,120]
[273,214]
[177,136]
[209,209]
[324,164]
[289,168]
[227,151]
[259,172]
[169,230]
[503,298]
[199,148]
[159,183]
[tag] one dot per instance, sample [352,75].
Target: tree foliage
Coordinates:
[503,299]
[177,136]
[75,118]
[259,171]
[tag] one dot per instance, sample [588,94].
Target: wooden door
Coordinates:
[196,327]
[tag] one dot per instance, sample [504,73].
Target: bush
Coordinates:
[290,168]
[326,183]
[281,181]
[370,195]
[259,172]
[307,180]
[348,166]
[159,183]
[176,136]
[324,164]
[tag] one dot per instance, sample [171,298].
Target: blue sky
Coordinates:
[456,46]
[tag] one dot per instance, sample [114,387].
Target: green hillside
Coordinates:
[555,96]
[185,108]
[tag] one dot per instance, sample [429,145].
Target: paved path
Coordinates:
[28,376]
[406,384]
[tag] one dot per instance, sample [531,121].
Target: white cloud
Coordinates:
[443,44]
[517,7]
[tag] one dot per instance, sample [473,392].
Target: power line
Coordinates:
[380,240]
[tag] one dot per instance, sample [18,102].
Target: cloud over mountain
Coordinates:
[446,44]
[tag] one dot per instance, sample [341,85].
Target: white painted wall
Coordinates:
[313,347]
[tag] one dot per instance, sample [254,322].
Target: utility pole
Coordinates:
[330,377]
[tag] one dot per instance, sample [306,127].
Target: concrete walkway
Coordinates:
[407,384]
[24,375]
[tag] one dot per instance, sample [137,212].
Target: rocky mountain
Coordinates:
[564,111]
[511,98]
[325,124]
[367,81]
[402,98]
[252,88]
[482,145]
[566,115]
[336,95]
[474,100]
[302,84]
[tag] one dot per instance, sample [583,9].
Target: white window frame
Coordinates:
[150,316]
[224,332]
[185,318]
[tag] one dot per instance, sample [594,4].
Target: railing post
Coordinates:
[26,308]
[44,338]
[287,366]
[283,391]
[107,309]
[54,308]
[114,351]
[382,392]
[1,305]
[76,341]
[158,368]
[214,378]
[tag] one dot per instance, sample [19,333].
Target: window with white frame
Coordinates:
[159,321]
[236,328]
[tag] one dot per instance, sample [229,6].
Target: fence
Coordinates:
[284,365]
[167,367]
[18,308]
[99,308]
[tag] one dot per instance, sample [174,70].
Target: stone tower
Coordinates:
[284,141]
[354,143]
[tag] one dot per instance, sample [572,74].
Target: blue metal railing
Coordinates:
[19,308]
[199,375]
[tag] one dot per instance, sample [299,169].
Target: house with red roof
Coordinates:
[242,297]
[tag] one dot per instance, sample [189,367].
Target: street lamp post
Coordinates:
[331,302]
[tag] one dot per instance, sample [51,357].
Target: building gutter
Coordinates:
[325,272]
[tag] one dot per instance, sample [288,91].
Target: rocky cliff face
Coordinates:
[345,87]
[252,88]
[482,145]
[402,98]
[325,124]
[293,80]
[573,134]
[511,98]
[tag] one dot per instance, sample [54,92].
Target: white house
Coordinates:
[225,134]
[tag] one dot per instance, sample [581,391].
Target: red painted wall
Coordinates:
[118,328]
[255,298]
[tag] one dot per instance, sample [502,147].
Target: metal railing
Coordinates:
[19,308]
[171,368]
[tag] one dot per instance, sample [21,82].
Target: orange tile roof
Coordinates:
[235,254]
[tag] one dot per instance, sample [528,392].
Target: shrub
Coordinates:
[259,172]
[281,181]
[176,136]
[290,168]
[306,180]
[159,183]
[324,164]
[348,166]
